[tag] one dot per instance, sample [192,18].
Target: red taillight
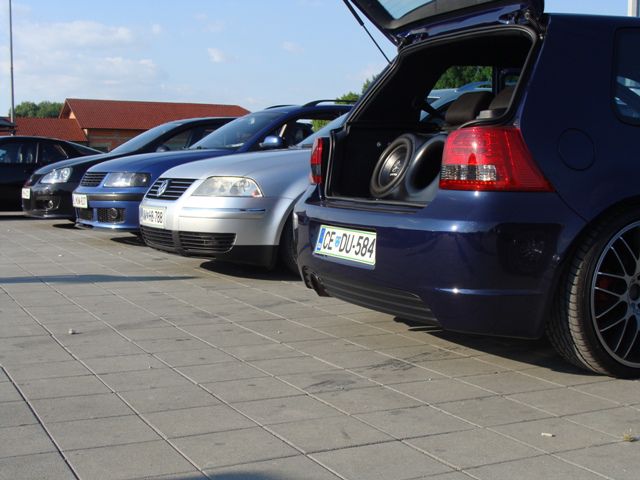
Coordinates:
[490,158]
[316,160]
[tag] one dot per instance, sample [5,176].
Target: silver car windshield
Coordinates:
[234,134]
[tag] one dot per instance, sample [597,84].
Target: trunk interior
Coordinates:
[391,149]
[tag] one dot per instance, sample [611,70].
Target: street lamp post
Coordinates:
[633,9]
[13,113]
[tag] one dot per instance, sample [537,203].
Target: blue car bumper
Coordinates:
[473,262]
[113,210]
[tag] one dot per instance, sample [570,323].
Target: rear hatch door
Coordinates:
[403,20]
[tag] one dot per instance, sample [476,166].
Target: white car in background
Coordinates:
[232,208]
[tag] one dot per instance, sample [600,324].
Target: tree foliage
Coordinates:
[44,109]
[455,77]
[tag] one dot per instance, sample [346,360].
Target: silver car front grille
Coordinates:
[169,188]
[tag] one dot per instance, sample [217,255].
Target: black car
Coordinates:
[21,155]
[47,193]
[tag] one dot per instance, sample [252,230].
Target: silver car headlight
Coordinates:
[228,187]
[58,175]
[127,179]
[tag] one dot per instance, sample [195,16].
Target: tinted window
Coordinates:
[144,139]
[627,76]
[178,141]
[234,134]
[50,152]
[16,152]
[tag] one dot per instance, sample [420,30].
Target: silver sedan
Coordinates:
[235,208]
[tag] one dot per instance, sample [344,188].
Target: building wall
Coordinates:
[107,140]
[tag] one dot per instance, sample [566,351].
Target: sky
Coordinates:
[252,53]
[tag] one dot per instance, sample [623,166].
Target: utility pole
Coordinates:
[13,112]
[633,9]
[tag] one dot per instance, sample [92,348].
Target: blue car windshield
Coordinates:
[323,132]
[234,134]
[140,141]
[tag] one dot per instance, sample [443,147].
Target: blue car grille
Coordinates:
[92,179]
[174,188]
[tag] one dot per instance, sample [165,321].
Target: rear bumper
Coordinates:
[473,262]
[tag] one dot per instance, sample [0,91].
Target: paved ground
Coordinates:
[119,361]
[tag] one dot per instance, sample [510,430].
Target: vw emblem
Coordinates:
[163,187]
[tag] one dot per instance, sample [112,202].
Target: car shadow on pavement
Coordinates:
[88,279]
[537,353]
[132,240]
[279,273]
[66,226]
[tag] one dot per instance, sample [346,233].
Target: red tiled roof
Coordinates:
[62,128]
[125,115]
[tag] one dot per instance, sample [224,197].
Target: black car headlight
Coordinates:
[58,175]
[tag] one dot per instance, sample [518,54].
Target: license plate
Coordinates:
[347,244]
[79,200]
[26,193]
[152,216]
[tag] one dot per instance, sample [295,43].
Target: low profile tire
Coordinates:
[595,322]
[392,165]
[287,248]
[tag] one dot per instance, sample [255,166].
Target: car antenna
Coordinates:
[359,20]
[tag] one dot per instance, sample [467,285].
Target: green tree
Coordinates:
[43,109]
[455,77]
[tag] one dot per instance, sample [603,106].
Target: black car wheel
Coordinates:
[596,318]
[287,248]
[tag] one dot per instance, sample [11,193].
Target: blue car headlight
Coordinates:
[58,175]
[228,187]
[127,179]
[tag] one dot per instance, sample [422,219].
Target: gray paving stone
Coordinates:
[565,375]
[197,421]
[566,435]
[506,383]
[385,340]
[144,379]
[21,330]
[316,382]
[8,393]
[353,359]
[233,448]
[82,407]
[267,351]
[414,422]
[491,411]
[62,387]
[286,409]
[441,391]
[287,366]
[620,460]
[129,461]
[220,372]
[564,401]
[101,432]
[380,462]
[324,348]
[70,368]
[24,440]
[251,389]
[329,433]
[169,398]
[533,469]
[394,371]
[289,468]
[461,367]
[201,356]
[179,344]
[124,363]
[615,422]
[472,448]
[13,414]
[626,392]
[362,400]
[38,466]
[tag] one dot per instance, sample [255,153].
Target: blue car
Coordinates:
[109,193]
[518,214]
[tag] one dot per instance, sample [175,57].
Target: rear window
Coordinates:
[626,94]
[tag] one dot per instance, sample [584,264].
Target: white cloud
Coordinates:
[71,35]
[212,26]
[292,47]
[216,55]
[156,29]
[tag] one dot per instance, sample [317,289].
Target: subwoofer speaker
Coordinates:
[408,169]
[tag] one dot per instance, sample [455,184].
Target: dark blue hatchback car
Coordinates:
[110,193]
[518,213]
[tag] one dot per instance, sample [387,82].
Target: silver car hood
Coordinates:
[243,164]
